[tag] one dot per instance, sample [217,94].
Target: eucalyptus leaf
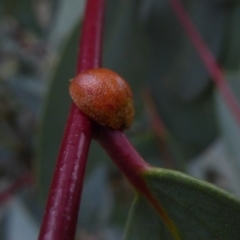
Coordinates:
[174,54]
[188,71]
[126,46]
[178,79]
[199,210]
[231,50]
[68,15]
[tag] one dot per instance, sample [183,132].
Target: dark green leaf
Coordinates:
[231,51]
[199,210]
[126,46]
[178,79]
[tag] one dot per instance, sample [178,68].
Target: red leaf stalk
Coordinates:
[24,180]
[60,218]
[133,167]
[207,57]
[122,153]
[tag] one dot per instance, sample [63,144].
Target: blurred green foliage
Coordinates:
[144,42]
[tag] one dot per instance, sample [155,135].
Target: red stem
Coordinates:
[26,179]
[207,57]
[133,167]
[159,128]
[60,218]
[123,154]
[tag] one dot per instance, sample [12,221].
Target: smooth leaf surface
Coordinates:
[174,53]
[126,46]
[199,210]
[231,53]
[67,18]
[178,80]
[189,73]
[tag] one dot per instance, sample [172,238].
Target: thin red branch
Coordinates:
[208,59]
[122,153]
[60,218]
[26,179]
[159,128]
[133,167]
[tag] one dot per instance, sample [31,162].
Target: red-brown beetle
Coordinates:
[103,96]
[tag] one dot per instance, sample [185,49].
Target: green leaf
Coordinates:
[199,210]
[231,53]
[178,79]
[68,15]
[173,53]
[126,46]
[190,74]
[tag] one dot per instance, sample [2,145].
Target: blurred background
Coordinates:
[181,120]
